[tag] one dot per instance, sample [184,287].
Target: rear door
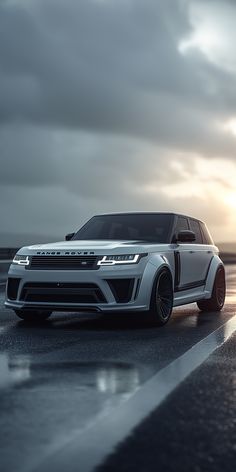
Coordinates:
[202,252]
[183,256]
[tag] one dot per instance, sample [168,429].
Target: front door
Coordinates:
[192,259]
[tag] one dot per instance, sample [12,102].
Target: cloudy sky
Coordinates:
[116,105]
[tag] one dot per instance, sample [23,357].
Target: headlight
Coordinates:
[21,260]
[119,259]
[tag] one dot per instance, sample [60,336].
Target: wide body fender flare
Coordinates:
[215,263]
[154,266]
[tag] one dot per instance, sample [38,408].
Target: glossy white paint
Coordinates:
[192,267]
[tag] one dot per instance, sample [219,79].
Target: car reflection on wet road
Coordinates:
[114,378]
[57,377]
[13,373]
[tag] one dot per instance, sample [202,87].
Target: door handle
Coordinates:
[191,252]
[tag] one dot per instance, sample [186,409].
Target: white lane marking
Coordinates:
[88,448]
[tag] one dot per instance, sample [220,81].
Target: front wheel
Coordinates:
[33,316]
[216,302]
[161,299]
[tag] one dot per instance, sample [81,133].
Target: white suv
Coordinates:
[142,262]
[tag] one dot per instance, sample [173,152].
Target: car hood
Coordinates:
[89,246]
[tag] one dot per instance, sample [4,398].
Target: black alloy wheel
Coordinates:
[216,302]
[220,287]
[162,299]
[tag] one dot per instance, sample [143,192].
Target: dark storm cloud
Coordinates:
[85,64]
[88,165]
[26,156]
[97,102]
[91,64]
[108,66]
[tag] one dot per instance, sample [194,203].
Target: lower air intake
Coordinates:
[122,289]
[62,293]
[12,288]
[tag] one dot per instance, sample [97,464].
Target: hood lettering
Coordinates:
[64,253]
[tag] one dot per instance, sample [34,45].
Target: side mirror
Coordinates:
[69,236]
[186,236]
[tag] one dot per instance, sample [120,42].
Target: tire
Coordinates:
[161,299]
[33,316]
[216,302]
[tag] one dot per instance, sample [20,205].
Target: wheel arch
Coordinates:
[215,264]
[152,269]
[155,278]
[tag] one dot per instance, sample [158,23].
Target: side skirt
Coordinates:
[185,297]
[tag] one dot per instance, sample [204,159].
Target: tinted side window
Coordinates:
[207,239]
[195,227]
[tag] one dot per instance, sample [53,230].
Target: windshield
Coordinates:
[153,227]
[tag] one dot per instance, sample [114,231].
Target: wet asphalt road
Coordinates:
[194,429]
[58,376]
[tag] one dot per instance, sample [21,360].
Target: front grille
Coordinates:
[63,263]
[12,288]
[62,293]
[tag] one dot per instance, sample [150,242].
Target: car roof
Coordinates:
[149,213]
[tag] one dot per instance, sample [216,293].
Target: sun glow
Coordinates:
[213,34]
[230,126]
[230,200]
[204,39]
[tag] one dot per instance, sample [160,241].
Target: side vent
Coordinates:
[12,288]
[122,289]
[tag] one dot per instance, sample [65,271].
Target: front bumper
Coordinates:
[141,276]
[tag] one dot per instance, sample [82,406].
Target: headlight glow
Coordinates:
[21,260]
[119,259]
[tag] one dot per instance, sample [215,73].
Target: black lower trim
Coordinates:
[191,285]
[52,307]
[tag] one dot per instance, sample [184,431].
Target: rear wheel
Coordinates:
[216,302]
[161,299]
[33,316]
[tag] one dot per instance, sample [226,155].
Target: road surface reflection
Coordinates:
[13,371]
[106,377]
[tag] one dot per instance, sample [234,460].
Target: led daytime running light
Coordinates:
[21,260]
[119,259]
